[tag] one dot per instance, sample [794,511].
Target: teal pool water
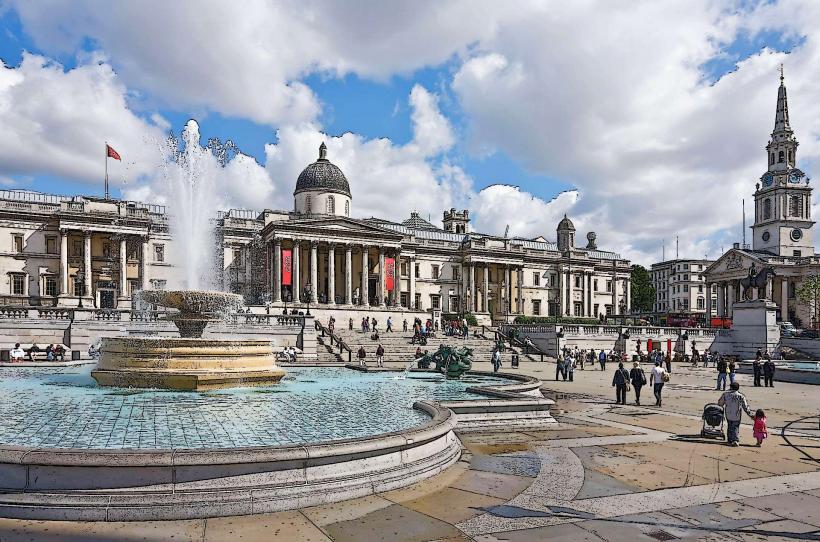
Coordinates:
[802,365]
[64,408]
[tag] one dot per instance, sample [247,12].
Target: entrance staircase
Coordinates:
[398,349]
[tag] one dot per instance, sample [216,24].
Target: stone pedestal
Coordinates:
[754,326]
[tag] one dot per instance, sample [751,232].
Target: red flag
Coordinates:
[287,267]
[390,273]
[111,153]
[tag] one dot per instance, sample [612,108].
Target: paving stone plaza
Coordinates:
[604,472]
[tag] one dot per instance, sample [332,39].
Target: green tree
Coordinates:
[809,296]
[643,293]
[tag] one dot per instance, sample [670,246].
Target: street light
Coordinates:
[81,277]
[306,294]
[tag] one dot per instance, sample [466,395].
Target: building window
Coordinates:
[798,253]
[347,208]
[767,209]
[418,302]
[435,302]
[307,203]
[331,205]
[791,156]
[418,270]
[594,285]
[536,307]
[159,253]
[50,286]
[237,257]
[17,280]
[780,157]
[453,303]
[17,243]
[77,248]
[686,266]
[403,297]
[771,158]
[608,310]
[434,273]
[597,309]
[536,280]
[609,287]
[78,287]
[158,284]
[700,288]
[51,245]
[455,273]
[577,309]
[577,281]
[553,280]
[795,207]
[701,303]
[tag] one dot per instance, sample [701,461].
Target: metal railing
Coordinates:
[334,338]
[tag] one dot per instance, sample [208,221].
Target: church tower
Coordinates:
[783,224]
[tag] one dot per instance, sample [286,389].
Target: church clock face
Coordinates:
[766,236]
[767,179]
[796,234]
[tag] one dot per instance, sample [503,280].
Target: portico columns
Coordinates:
[731,298]
[314,271]
[473,290]
[784,300]
[348,275]
[520,303]
[276,281]
[485,302]
[144,264]
[721,299]
[365,297]
[708,304]
[297,269]
[87,263]
[123,268]
[63,262]
[382,277]
[411,263]
[331,274]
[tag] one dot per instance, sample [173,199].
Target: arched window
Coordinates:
[767,209]
[347,207]
[771,158]
[330,206]
[307,204]
[780,157]
[791,156]
[795,209]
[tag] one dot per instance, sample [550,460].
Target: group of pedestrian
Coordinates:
[362,356]
[734,405]
[765,369]
[456,328]
[635,378]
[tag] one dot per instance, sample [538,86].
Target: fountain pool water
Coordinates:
[65,408]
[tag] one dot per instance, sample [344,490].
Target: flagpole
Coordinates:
[106,170]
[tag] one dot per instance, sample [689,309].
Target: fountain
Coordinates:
[189,362]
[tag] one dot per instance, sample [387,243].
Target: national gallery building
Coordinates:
[70,251]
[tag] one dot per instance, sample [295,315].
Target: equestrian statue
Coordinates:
[755,280]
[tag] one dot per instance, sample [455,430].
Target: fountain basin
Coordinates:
[186,364]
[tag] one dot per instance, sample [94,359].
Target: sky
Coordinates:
[643,121]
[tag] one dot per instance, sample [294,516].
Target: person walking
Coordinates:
[350,324]
[497,360]
[721,378]
[668,363]
[570,369]
[602,359]
[404,325]
[658,377]
[734,404]
[768,372]
[389,328]
[759,430]
[638,379]
[757,369]
[361,355]
[620,380]
[732,369]
[380,356]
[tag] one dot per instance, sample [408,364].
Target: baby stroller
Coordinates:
[713,421]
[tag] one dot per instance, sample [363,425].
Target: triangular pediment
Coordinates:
[335,225]
[735,262]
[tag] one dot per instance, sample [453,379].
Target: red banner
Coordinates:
[390,273]
[287,267]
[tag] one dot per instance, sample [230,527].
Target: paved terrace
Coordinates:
[605,473]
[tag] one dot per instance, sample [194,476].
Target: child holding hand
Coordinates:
[760,432]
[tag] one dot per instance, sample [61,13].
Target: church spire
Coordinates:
[781,117]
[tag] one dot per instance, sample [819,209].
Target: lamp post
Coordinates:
[306,295]
[81,278]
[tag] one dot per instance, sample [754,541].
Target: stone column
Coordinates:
[520,302]
[628,294]
[730,301]
[276,280]
[314,271]
[395,295]
[382,278]
[144,264]
[365,297]
[26,280]
[784,299]
[473,290]
[87,291]
[570,287]
[331,274]
[708,304]
[411,262]
[485,301]
[769,288]
[248,268]
[296,280]
[348,274]
[721,299]
[507,291]
[63,262]
[123,267]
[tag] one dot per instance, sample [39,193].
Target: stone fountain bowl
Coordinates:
[193,302]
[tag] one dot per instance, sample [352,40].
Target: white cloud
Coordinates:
[57,122]
[500,205]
